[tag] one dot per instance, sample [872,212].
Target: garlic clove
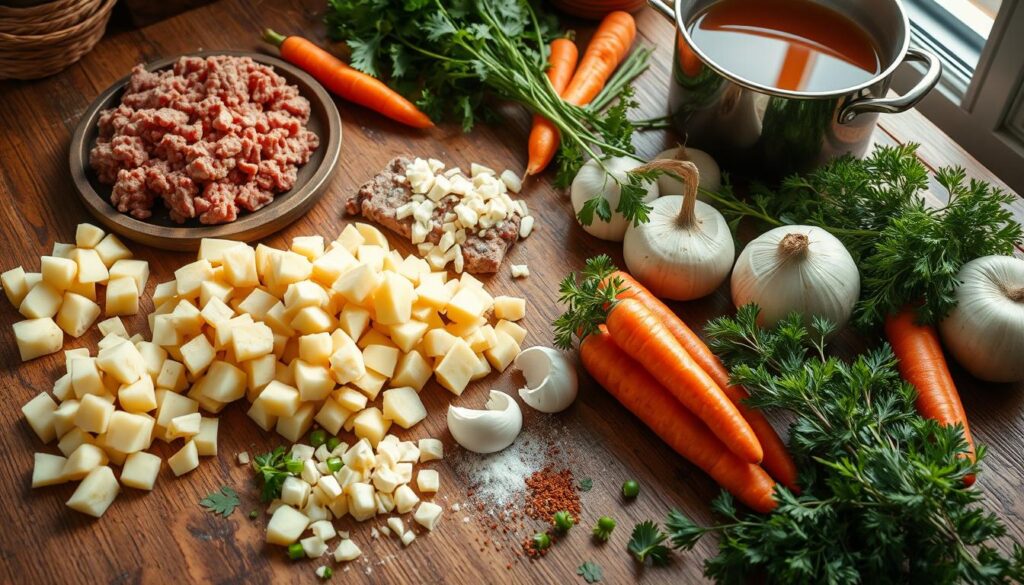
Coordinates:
[551,382]
[490,430]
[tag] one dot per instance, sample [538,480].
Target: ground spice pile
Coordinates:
[547,492]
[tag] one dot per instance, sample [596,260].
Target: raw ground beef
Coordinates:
[380,197]
[209,137]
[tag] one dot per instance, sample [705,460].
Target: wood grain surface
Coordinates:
[164,536]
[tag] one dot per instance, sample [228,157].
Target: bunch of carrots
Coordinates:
[579,86]
[659,369]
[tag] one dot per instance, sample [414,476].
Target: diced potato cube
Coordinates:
[257,303]
[371,425]
[171,406]
[139,396]
[512,330]
[385,480]
[280,399]
[96,492]
[404,407]
[331,265]
[346,361]
[122,361]
[427,480]
[350,399]
[122,297]
[206,439]
[15,285]
[483,367]
[316,348]
[57,272]
[76,314]
[332,415]
[64,417]
[185,460]
[137,270]
[427,515]
[287,267]
[213,249]
[141,470]
[251,341]
[240,266]
[408,334]
[370,384]
[110,250]
[224,382]
[37,337]
[310,320]
[412,370]
[85,378]
[114,326]
[504,351]
[346,551]
[190,277]
[91,266]
[258,413]
[437,342]
[350,238]
[72,440]
[286,526]
[313,382]
[62,388]
[466,306]
[294,492]
[82,460]
[294,426]
[129,432]
[359,457]
[47,470]
[430,449]
[405,499]
[198,354]
[93,415]
[361,503]
[172,376]
[357,284]
[393,300]
[311,247]
[88,235]
[42,301]
[457,367]
[381,359]
[39,415]
[185,426]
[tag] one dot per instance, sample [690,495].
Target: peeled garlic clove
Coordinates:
[490,430]
[551,383]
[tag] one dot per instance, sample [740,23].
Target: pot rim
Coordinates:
[683,30]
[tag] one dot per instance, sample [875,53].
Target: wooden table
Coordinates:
[165,536]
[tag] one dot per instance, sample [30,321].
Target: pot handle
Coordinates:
[894,105]
[665,8]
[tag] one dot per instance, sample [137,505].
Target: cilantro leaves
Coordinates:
[272,468]
[222,502]
[646,543]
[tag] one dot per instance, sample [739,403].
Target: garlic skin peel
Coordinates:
[708,169]
[490,430]
[592,181]
[551,382]
[685,250]
[797,268]
[985,331]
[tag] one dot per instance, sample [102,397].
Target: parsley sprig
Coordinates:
[907,252]
[221,502]
[587,299]
[451,56]
[273,468]
[883,498]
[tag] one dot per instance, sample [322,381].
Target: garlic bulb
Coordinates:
[551,382]
[592,181]
[707,169]
[985,332]
[797,268]
[487,431]
[685,251]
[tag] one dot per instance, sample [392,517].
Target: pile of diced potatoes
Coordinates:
[314,333]
[370,482]
[61,297]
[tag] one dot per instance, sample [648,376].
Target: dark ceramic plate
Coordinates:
[159,230]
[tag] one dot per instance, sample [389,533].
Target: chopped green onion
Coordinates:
[541,540]
[563,520]
[630,489]
[294,466]
[325,572]
[334,464]
[254,514]
[317,437]
[332,444]
[295,551]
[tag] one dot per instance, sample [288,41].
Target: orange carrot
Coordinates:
[606,50]
[354,86]
[642,336]
[776,458]
[638,391]
[922,364]
[543,135]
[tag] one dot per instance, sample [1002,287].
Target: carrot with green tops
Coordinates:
[922,364]
[543,135]
[642,336]
[776,457]
[641,394]
[606,50]
[354,86]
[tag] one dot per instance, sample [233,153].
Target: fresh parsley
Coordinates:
[588,300]
[590,571]
[907,252]
[882,496]
[646,542]
[272,468]
[221,502]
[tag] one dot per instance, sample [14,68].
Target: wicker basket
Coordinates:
[41,40]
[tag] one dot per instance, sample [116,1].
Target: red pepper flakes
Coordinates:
[549,492]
